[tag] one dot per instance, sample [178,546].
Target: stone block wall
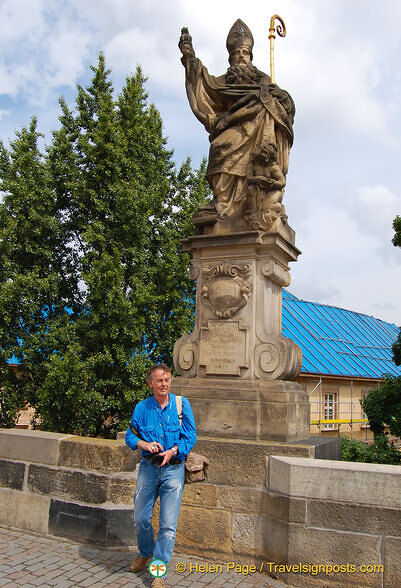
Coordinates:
[67,486]
[82,488]
[340,514]
[274,504]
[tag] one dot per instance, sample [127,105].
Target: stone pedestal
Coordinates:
[236,367]
[247,409]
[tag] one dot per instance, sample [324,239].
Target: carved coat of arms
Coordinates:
[226,288]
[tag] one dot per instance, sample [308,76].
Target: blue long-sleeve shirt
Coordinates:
[152,423]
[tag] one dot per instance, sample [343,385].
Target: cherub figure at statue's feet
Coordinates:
[265,186]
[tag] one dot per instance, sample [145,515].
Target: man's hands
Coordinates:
[152,446]
[185,44]
[155,447]
[167,455]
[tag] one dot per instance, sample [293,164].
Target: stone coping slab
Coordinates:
[86,453]
[30,445]
[89,453]
[360,483]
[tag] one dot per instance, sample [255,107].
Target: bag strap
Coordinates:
[178,401]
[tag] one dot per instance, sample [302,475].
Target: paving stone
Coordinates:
[37,582]
[80,576]
[89,582]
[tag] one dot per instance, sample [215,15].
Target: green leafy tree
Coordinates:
[397,243]
[381,451]
[34,287]
[114,288]
[397,350]
[383,407]
[397,229]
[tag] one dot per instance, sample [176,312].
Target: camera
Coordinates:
[156,459]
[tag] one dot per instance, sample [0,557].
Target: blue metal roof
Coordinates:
[339,342]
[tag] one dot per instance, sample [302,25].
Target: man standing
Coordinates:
[156,429]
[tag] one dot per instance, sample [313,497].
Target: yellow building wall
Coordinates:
[338,399]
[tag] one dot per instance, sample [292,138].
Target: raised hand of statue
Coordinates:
[185,44]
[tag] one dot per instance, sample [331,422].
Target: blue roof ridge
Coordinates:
[293,297]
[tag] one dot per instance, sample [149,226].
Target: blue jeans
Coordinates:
[168,483]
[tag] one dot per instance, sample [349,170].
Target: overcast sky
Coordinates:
[340,61]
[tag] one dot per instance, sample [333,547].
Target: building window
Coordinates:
[330,404]
[364,415]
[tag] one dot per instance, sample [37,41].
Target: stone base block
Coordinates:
[324,447]
[24,510]
[392,572]
[12,474]
[249,534]
[204,530]
[105,525]
[247,409]
[336,549]
[8,507]
[32,512]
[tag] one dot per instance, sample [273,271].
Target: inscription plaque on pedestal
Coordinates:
[223,348]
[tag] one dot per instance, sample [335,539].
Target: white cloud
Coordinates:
[374,209]
[43,48]
[67,52]
[134,47]
[6,84]
[344,266]
[19,20]
[316,288]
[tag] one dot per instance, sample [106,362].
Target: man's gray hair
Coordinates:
[157,366]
